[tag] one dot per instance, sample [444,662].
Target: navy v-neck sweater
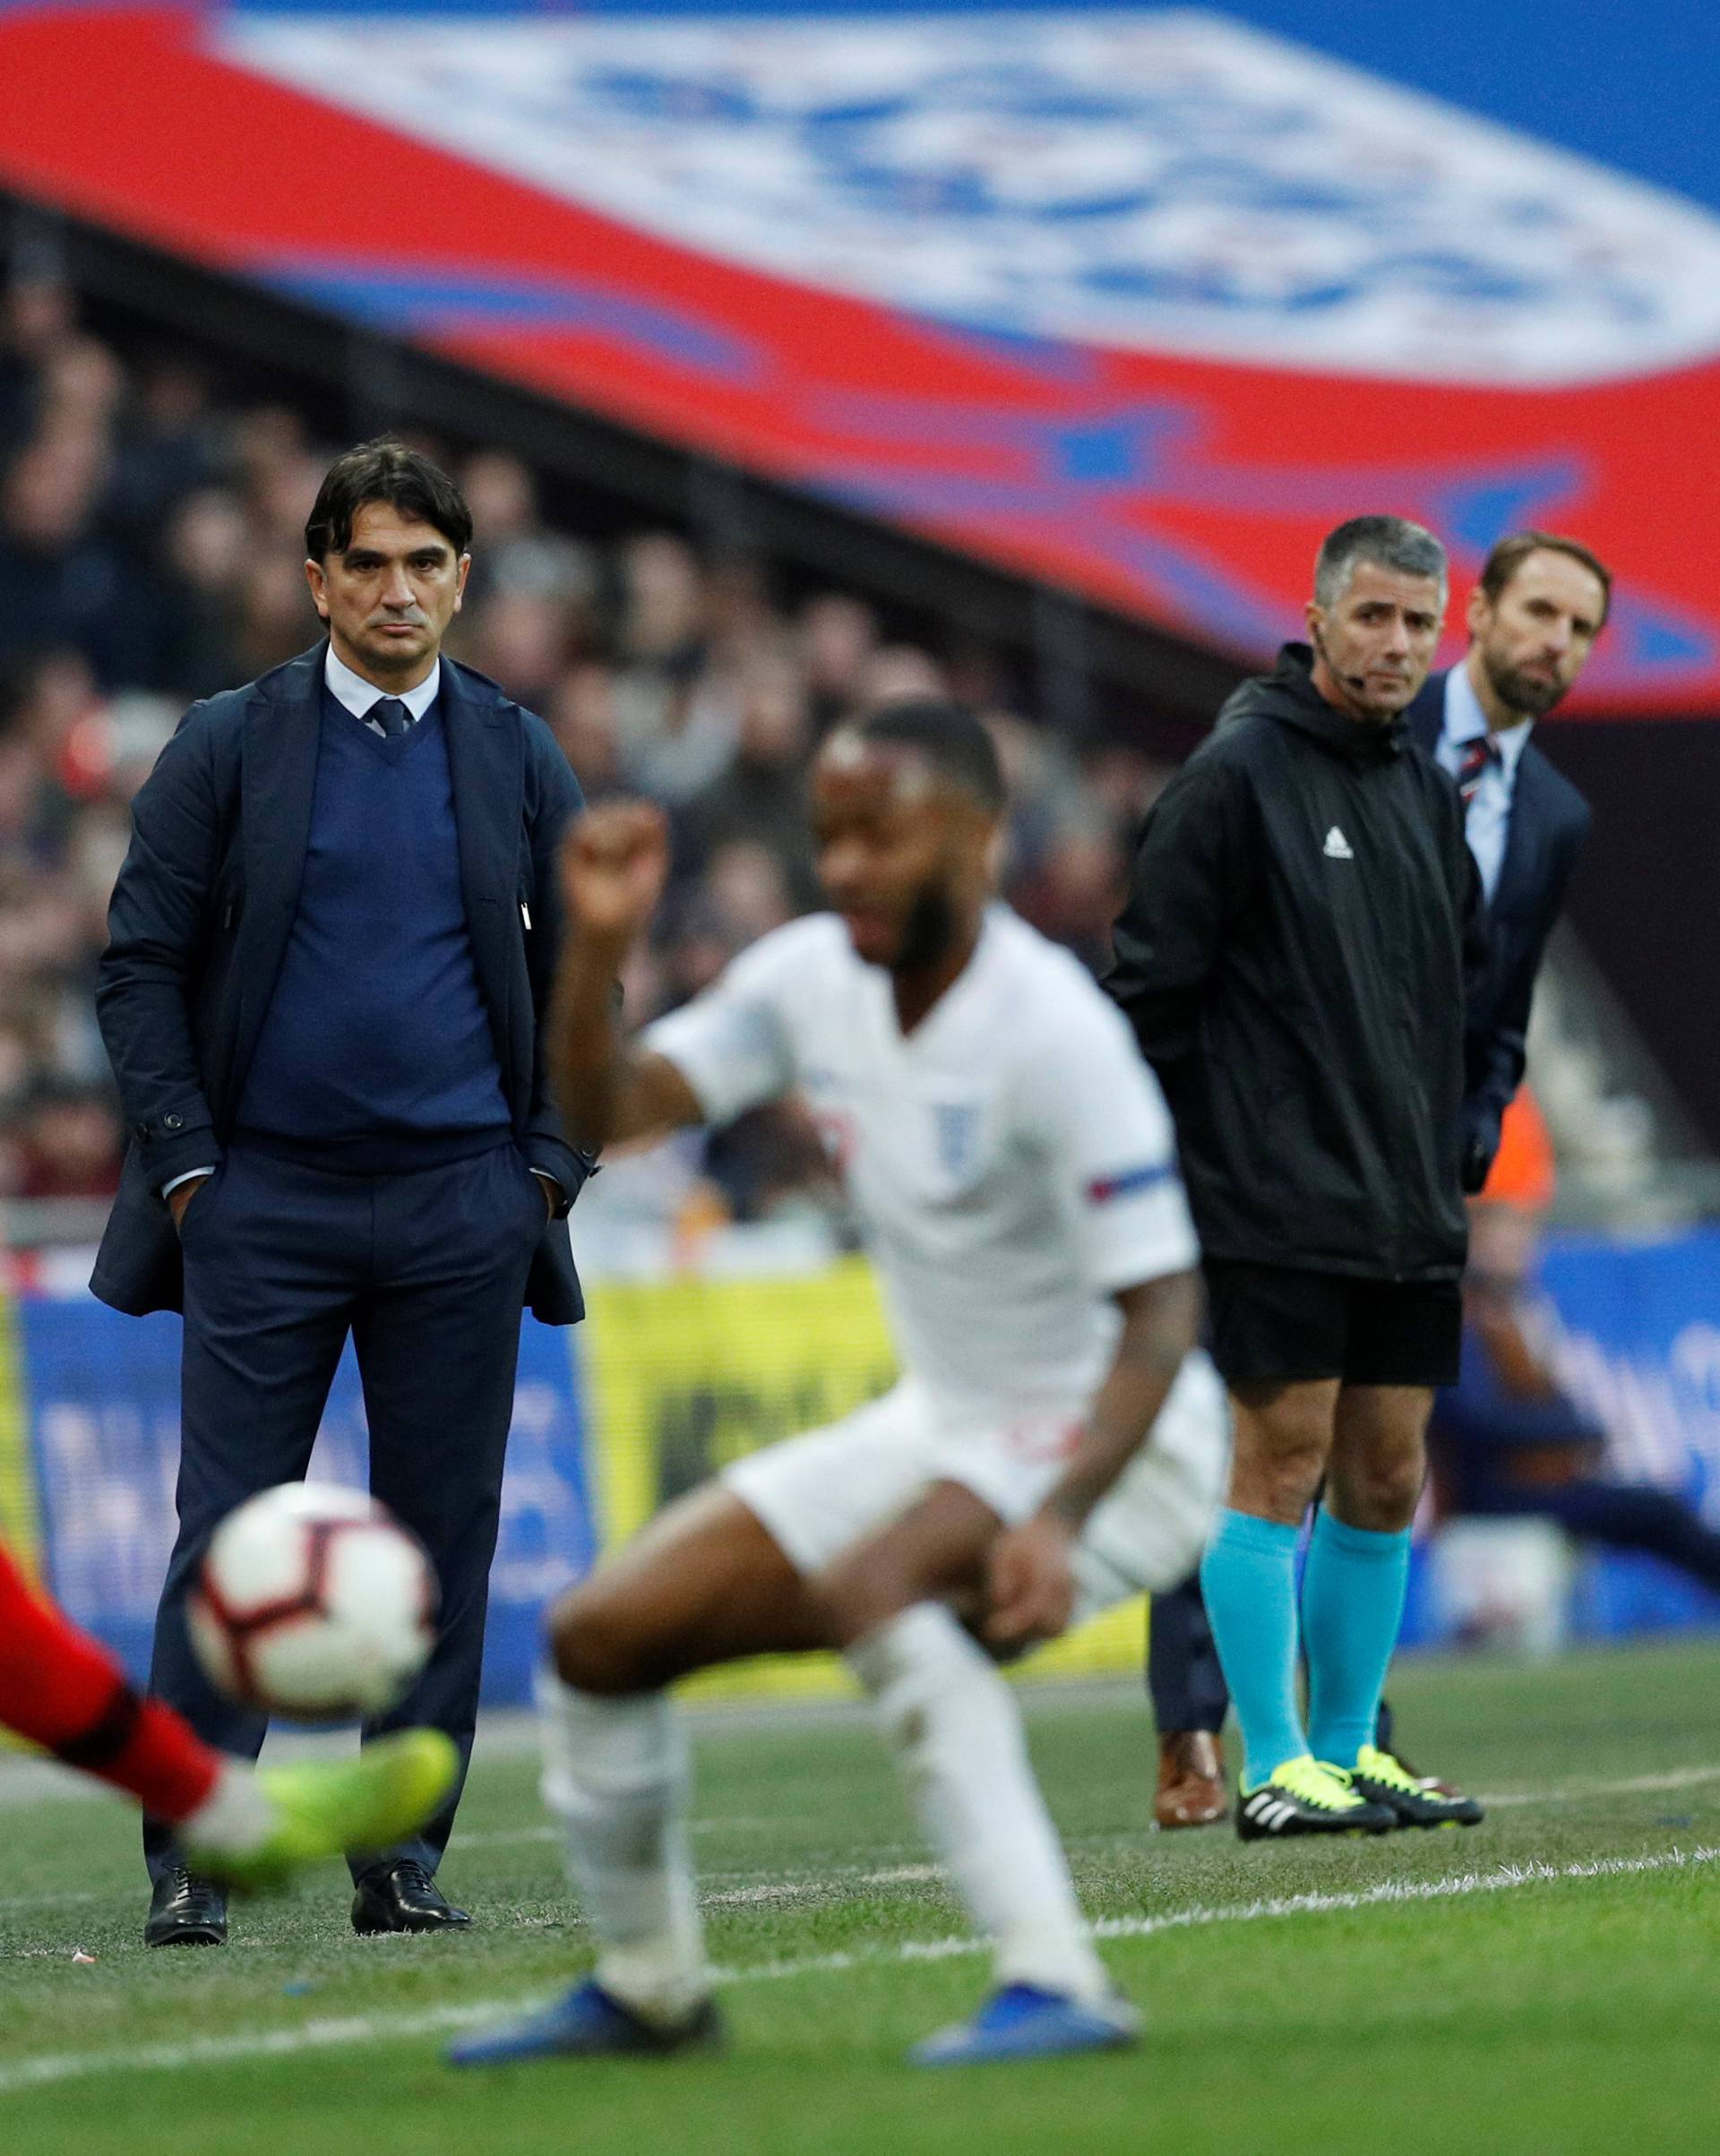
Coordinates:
[376,1053]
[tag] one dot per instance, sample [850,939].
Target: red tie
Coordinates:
[1477,755]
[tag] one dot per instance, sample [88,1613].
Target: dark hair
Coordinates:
[385,470]
[950,738]
[1510,555]
[1387,542]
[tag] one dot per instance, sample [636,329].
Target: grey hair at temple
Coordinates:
[1387,543]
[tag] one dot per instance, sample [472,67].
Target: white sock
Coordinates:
[234,1819]
[951,1721]
[616,1775]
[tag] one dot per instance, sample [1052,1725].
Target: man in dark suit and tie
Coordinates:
[332,942]
[1533,618]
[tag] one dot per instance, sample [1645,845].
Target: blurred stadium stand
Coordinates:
[721,488]
[150,516]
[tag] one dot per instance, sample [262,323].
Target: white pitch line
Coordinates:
[1454,1886]
[1573,1792]
[371,2029]
[504,1837]
[513,1837]
[800,1890]
[260,2043]
[19,1902]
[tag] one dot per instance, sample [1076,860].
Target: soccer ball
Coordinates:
[314,1602]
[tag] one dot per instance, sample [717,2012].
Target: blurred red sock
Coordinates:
[64,1692]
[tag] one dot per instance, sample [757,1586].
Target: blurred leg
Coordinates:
[1652,1520]
[952,1725]
[704,1583]
[63,1691]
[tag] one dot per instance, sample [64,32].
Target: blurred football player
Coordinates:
[1013,1168]
[63,1691]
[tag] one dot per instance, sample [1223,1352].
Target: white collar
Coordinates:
[359,695]
[1465,720]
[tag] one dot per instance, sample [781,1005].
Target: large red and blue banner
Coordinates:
[1136,301]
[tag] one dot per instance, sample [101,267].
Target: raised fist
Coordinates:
[614,862]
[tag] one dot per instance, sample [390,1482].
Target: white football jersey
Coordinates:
[1011,1161]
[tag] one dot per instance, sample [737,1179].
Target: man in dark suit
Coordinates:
[332,942]
[1533,618]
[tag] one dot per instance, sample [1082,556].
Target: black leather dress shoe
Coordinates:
[185,1910]
[402,1897]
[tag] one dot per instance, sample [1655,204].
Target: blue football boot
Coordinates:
[1023,2022]
[587,2023]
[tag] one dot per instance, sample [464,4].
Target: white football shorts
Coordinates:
[818,1493]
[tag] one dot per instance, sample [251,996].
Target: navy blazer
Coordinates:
[1548,822]
[203,908]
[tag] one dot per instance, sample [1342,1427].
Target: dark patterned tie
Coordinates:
[1474,763]
[390,714]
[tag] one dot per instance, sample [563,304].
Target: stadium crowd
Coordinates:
[151,554]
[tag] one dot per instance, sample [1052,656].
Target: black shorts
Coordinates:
[1270,1322]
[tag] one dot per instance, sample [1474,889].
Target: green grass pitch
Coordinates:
[1549,1981]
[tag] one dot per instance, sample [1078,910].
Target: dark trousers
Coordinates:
[427,1271]
[1187,1684]
[1628,1517]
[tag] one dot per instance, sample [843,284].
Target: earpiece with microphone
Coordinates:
[1357,683]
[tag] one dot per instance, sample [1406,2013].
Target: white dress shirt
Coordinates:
[1487,820]
[357,695]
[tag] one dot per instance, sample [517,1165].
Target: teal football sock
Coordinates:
[1249,1579]
[1353,1592]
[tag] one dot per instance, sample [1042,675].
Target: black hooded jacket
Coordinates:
[1292,956]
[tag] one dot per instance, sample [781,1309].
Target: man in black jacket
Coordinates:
[1536,610]
[1292,956]
[332,942]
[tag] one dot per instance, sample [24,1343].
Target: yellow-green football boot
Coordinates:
[324,1808]
[1417,1800]
[1305,1796]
